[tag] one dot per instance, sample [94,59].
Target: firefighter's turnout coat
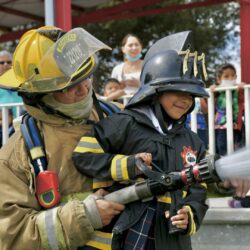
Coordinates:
[24,224]
[107,154]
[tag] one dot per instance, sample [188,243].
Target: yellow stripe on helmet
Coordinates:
[85,69]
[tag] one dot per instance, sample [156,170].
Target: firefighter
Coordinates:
[52,72]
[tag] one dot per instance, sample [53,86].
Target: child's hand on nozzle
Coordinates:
[181,219]
[147,158]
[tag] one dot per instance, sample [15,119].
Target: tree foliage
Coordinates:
[213,28]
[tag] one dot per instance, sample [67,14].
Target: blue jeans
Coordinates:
[202,133]
[221,141]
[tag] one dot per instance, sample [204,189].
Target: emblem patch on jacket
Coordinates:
[188,156]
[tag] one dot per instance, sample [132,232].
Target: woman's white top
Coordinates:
[117,73]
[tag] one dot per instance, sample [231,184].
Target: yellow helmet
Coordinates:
[48,59]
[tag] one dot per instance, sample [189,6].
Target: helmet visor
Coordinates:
[69,57]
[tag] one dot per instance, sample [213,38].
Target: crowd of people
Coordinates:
[125,80]
[57,168]
[125,77]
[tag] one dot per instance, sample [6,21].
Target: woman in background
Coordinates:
[128,72]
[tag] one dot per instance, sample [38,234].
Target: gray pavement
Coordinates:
[223,228]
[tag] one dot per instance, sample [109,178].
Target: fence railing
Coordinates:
[125,99]
[211,128]
[229,117]
[5,118]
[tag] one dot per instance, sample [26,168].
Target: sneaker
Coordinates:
[234,203]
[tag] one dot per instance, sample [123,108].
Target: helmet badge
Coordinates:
[187,54]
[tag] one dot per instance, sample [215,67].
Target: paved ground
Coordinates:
[218,202]
[223,228]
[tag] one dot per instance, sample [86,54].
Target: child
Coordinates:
[225,77]
[112,89]
[152,128]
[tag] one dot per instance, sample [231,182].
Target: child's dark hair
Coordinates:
[125,39]
[223,67]
[107,81]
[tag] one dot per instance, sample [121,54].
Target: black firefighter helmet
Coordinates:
[171,65]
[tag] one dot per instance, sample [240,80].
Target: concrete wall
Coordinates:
[224,228]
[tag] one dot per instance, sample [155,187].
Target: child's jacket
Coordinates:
[108,155]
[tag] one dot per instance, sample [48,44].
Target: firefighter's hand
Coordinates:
[147,159]
[241,186]
[99,211]
[108,210]
[181,219]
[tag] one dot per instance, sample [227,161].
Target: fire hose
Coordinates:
[208,170]
[159,182]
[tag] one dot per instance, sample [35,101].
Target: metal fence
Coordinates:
[211,117]
[5,118]
[229,116]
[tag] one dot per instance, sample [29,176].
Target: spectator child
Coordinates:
[225,77]
[112,89]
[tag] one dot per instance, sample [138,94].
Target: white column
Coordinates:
[5,125]
[194,121]
[49,12]
[229,116]
[211,132]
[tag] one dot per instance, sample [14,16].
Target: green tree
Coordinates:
[213,28]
